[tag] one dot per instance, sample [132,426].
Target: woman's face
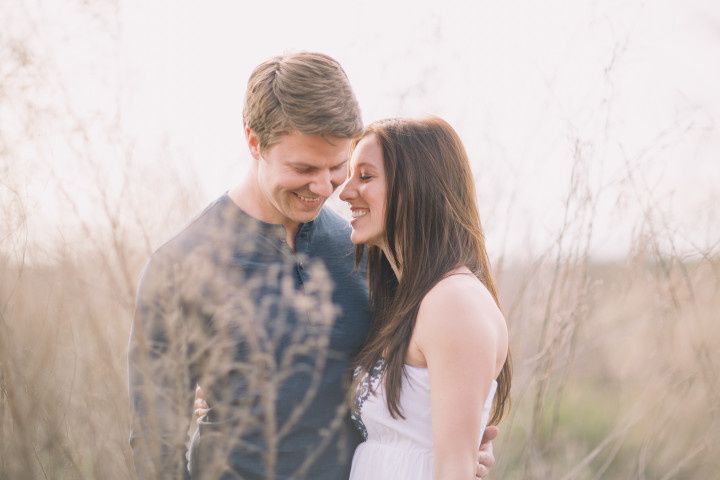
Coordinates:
[365,191]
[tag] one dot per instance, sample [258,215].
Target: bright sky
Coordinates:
[532,87]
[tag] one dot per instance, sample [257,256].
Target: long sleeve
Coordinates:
[161,385]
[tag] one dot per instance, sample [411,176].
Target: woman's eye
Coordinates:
[365,177]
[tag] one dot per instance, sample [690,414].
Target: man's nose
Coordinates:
[322,184]
[338,177]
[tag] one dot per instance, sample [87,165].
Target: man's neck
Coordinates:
[290,232]
[247,197]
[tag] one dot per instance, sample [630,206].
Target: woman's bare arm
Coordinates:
[462,335]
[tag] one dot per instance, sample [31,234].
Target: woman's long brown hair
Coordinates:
[432,227]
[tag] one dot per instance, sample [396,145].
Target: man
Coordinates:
[258,301]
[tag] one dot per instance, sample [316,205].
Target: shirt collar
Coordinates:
[275,232]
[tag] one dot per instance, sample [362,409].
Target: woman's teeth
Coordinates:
[359,213]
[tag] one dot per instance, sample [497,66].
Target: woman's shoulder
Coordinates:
[459,308]
[460,291]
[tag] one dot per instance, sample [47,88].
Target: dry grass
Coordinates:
[616,363]
[615,372]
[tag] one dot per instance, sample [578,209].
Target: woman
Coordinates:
[435,367]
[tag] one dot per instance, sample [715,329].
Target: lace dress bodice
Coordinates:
[396,448]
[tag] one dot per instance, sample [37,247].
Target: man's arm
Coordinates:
[160,384]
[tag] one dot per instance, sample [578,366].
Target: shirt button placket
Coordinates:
[300,272]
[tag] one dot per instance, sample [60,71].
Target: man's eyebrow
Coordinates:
[301,165]
[340,164]
[310,166]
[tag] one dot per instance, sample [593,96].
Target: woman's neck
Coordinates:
[393,261]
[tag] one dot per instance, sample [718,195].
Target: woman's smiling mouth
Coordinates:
[358,212]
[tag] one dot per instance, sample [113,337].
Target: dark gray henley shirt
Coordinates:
[267,332]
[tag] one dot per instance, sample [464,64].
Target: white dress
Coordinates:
[397,449]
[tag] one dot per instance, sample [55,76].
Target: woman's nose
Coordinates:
[348,191]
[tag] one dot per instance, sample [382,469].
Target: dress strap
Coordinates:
[459,273]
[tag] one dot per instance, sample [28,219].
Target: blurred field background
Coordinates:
[602,218]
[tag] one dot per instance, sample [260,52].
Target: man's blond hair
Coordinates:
[304,92]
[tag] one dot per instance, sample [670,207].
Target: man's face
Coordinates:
[298,173]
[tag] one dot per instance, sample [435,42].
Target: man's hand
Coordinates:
[486,458]
[201,407]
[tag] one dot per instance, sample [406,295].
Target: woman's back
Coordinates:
[397,448]
[402,448]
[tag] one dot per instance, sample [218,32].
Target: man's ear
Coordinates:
[253,142]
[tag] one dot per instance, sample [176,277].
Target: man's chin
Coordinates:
[304,216]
